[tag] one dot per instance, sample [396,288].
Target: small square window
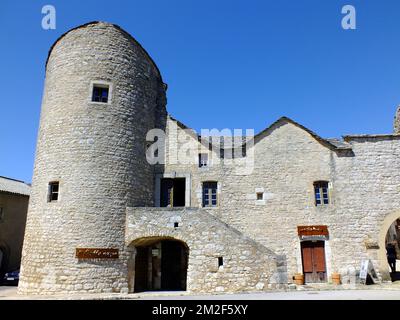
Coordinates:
[53,191]
[100,93]
[260,195]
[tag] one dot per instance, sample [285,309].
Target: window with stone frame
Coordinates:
[321,192]
[210,194]
[203,160]
[100,93]
[53,193]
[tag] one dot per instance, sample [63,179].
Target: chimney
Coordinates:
[396,125]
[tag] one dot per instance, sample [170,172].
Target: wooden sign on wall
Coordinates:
[312,230]
[96,253]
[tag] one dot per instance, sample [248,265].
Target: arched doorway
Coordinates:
[160,264]
[392,247]
[389,247]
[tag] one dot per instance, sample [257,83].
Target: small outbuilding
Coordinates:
[14,198]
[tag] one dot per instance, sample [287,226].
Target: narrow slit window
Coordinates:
[54,188]
[244,150]
[220,261]
[1,214]
[321,190]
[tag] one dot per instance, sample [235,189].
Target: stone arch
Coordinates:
[383,264]
[158,263]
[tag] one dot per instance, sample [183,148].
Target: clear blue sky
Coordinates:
[228,63]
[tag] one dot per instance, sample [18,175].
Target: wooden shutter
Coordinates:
[319,258]
[307,259]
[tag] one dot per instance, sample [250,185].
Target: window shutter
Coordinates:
[319,257]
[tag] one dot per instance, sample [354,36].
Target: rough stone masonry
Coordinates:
[197,227]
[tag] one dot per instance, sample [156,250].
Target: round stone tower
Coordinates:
[102,94]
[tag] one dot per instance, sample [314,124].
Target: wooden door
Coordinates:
[141,269]
[171,265]
[313,257]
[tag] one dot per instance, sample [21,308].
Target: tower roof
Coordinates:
[111,25]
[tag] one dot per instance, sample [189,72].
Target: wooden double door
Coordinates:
[313,257]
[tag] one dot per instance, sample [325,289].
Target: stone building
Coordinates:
[14,197]
[214,213]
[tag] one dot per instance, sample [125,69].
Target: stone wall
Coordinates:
[96,151]
[363,182]
[368,186]
[248,266]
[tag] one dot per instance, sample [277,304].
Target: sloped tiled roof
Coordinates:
[14,186]
[333,144]
[340,144]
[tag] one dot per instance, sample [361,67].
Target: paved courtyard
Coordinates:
[296,295]
[388,292]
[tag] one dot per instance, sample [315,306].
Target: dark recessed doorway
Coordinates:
[161,265]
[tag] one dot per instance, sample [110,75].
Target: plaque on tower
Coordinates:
[97,253]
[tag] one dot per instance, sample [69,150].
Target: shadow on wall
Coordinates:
[281,275]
